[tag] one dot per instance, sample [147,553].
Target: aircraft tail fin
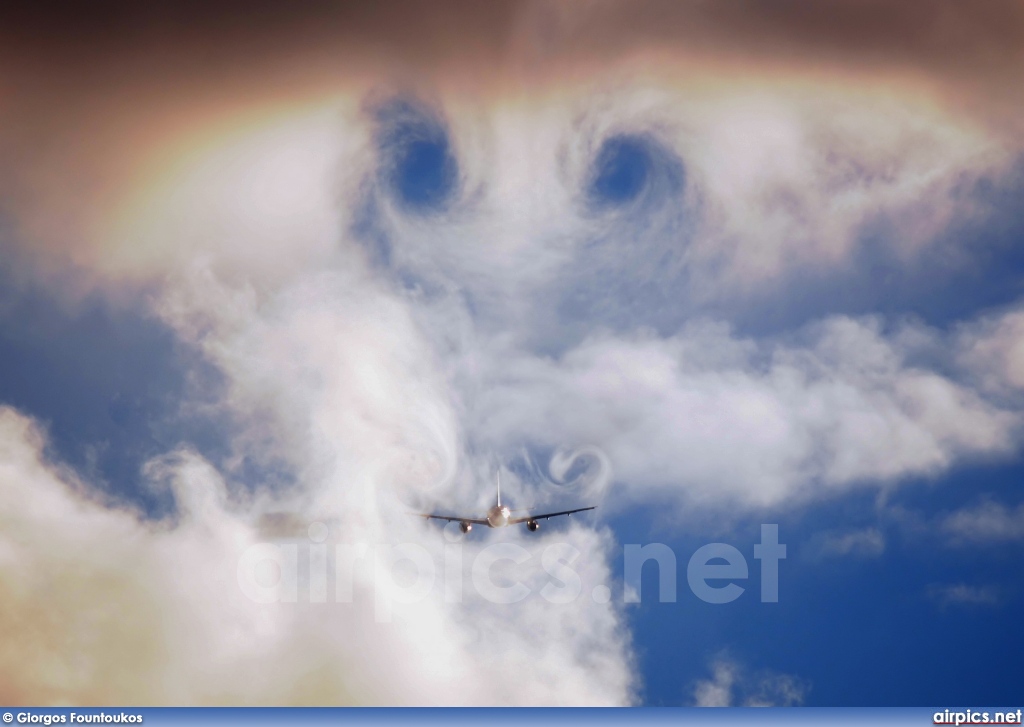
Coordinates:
[499,487]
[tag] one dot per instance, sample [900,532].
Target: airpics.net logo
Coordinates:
[279,572]
[971,716]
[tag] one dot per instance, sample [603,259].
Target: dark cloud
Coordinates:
[934,32]
[981,40]
[72,73]
[209,34]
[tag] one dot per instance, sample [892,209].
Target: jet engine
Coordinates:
[465,527]
[532,525]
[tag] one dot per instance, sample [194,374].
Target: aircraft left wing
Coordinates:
[451,518]
[545,516]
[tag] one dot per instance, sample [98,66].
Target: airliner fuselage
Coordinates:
[497,516]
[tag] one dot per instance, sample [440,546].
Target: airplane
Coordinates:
[499,516]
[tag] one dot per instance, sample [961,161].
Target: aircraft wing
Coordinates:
[545,516]
[451,518]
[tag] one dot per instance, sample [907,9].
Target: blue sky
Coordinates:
[863,630]
[704,290]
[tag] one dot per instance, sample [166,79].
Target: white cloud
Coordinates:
[104,608]
[777,179]
[717,691]
[257,205]
[715,418]
[793,179]
[731,685]
[986,523]
[993,349]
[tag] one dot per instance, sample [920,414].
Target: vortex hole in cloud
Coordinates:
[621,170]
[418,165]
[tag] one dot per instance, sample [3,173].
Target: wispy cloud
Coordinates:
[864,543]
[962,594]
[731,685]
[988,522]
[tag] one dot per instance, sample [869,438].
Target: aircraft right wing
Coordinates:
[545,516]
